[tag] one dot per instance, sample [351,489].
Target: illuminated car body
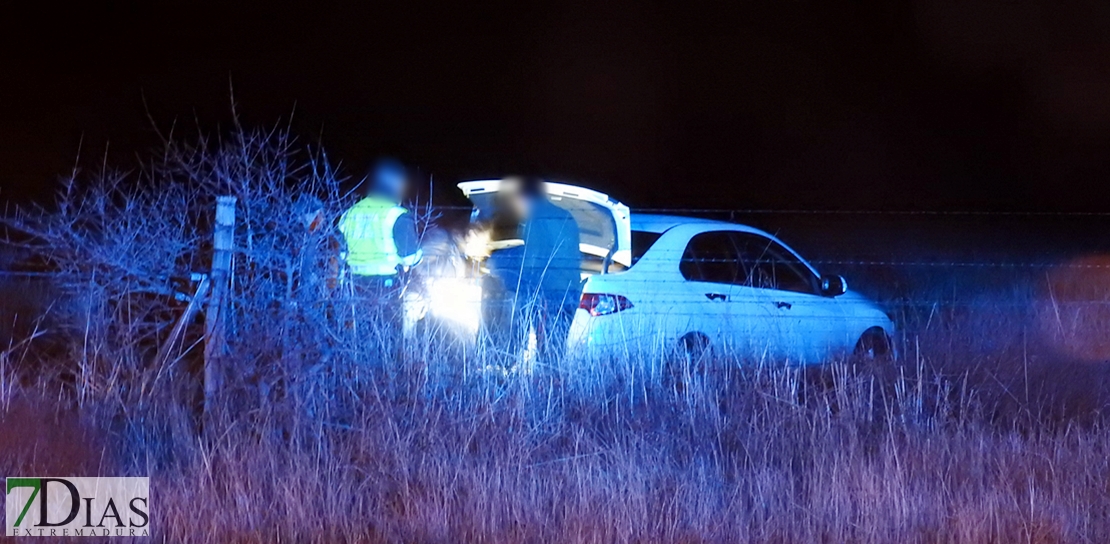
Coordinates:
[697,284]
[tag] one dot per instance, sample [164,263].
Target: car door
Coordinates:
[733,316]
[804,326]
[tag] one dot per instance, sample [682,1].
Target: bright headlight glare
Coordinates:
[476,244]
[457,301]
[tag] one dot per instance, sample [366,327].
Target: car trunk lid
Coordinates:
[604,223]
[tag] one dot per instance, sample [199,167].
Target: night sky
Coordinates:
[949,105]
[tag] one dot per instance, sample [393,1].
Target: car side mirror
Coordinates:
[833,286]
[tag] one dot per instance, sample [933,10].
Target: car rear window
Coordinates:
[642,241]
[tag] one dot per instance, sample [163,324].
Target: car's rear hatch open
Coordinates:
[604,223]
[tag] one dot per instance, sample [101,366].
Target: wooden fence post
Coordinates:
[215,341]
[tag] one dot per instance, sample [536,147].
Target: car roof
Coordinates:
[659,224]
[647,222]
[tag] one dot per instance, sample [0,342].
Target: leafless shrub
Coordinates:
[124,245]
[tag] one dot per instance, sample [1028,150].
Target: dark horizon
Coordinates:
[874,106]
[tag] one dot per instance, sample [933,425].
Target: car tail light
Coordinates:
[601,304]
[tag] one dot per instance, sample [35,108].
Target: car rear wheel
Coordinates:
[693,346]
[689,358]
[874,346]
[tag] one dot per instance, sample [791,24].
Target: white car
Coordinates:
[655,282]
[696,284]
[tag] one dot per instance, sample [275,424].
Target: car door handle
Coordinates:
[780,305]
[716,296]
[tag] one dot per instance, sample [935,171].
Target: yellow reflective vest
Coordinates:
[368,230]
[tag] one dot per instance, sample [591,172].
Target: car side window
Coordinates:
[711,257]
[642,242]
[766,264]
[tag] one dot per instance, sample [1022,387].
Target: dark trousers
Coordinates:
[379,313]
[508,316]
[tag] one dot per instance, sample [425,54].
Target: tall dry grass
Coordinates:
[757,454]
[319,437]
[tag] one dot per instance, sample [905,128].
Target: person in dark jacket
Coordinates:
[536,284]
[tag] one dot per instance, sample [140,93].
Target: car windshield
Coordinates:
[642,241]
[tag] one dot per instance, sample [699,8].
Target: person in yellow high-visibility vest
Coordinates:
[381,245]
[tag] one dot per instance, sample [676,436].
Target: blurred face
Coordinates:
[512,197]
[390,182]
